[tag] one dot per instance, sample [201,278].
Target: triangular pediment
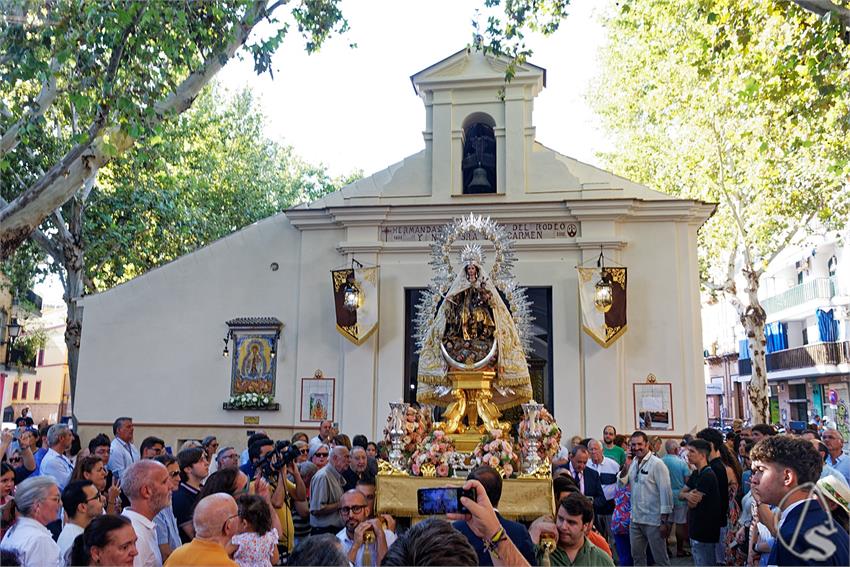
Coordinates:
[474,66]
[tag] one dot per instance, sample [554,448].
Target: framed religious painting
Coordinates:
[317,398]
[653,406]
[253,365]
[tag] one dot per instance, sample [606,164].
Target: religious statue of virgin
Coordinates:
[471,329]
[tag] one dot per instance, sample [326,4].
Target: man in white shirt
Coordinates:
[652,501]
[325,434]
[122,452]
[354,510]
[38,502]
[55,464]
[81,501]
[608,470]
[148,486]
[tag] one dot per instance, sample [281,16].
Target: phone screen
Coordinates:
[439,501]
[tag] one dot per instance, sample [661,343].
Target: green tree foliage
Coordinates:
[741,102]
[207,174]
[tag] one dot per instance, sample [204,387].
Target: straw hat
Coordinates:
[836,490]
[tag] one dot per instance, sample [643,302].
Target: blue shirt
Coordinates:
[679,473]
[166,528]
[58,466]
[841,464]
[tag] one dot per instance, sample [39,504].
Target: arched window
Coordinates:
[479,155]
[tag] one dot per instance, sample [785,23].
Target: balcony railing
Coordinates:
[818,288]
[819,354]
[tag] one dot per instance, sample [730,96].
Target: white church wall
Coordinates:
[152,346]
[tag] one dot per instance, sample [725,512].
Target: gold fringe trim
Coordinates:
[354,339]
[611,340]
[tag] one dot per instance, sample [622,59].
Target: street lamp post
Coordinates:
[13,331]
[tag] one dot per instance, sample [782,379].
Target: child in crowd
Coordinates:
[256,543]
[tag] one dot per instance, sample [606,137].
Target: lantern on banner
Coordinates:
[602,294]
[356,301]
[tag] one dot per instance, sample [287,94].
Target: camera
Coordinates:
[278,458]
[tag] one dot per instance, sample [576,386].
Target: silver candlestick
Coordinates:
[398,411]
[531,411]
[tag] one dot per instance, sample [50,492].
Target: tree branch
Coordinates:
[64,236]
[821,7]
[787,241]
[29,209]
[44,242]
[39,106]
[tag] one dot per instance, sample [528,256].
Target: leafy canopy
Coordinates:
[741,102]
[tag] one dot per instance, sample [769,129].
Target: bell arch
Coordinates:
[478,166]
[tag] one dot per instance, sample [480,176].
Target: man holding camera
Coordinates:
[275,463]
[365,541]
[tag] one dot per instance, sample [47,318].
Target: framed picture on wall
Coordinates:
[653,405]
[317,398]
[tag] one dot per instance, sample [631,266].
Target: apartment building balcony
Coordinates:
[822,356]
[800,300]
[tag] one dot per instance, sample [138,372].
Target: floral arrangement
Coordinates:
[414,432]
[550,435]
[496,451]
[251,400]
[436,450]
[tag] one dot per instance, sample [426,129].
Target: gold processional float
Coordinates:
[472,363]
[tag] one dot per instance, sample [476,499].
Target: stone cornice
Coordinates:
[544,245]
[573,210]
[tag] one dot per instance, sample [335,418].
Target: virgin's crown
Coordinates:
[472,253]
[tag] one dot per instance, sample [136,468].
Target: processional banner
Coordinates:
[357,315]
[604,327]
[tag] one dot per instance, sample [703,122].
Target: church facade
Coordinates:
[152,347]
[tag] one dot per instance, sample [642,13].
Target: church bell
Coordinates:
[479,180]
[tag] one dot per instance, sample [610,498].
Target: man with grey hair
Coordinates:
[38,502]
[55,464]
[325,493]
[122,452]
[836,458]
[226,458]
[216,520]
[148,487]
[608,469]
[358,468]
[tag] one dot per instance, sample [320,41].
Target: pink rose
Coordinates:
[496,433]
[509,470]
[494,461]
[438,434]
[415,469]
[442,469]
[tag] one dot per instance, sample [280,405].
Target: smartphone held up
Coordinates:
[441,501]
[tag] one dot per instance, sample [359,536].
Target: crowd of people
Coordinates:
[748,497]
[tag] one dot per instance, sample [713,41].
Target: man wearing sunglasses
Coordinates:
[362,550]
[325,493]
[82,502]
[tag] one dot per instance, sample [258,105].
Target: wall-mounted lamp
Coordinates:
[352,296]
[225,353]
[603,298]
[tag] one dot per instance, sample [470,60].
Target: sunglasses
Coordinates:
[321,455]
